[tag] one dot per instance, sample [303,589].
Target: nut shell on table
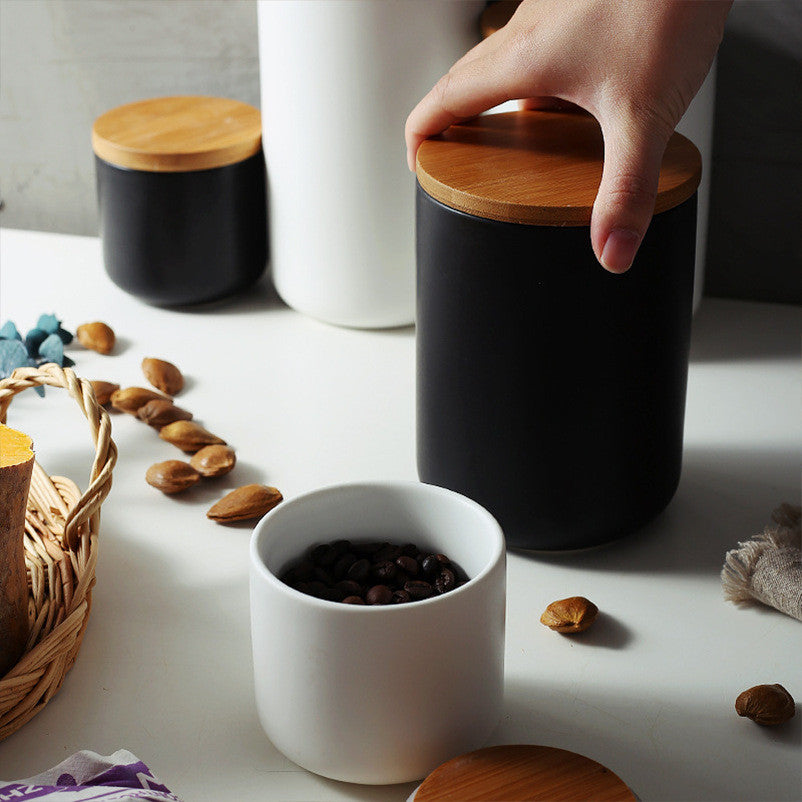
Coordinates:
[163,375]
[189,436]
[767,705]
[131,399]
[172,476]
[96,336]
[215,460]
[574,614]
[245,503]
[103,391]
[161,411]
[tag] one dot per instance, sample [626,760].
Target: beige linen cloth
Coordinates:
[768,568]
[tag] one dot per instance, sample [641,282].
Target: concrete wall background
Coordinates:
[64,62]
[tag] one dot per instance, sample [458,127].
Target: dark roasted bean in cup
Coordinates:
[323,555]
[418,589]
[384,572]
[409,565]
[431,565]
[344,562]
[359,570]
[349,587]
[446,580]
[388,551]
[401,597]
[379,594]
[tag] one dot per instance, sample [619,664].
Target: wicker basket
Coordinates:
[61,531]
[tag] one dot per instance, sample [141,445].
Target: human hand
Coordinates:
[634,65]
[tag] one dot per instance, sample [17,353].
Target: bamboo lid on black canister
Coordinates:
[178,134]
[537,168]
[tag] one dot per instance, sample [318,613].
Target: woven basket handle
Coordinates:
[99,423]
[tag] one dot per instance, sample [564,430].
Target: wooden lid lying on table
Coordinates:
[521,773]
[537,168]
[178,134]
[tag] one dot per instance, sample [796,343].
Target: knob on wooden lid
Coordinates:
[178,134]
[537,168]
[519,773]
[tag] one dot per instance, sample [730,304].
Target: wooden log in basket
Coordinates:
[16,468]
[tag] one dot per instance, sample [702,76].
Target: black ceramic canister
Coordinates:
[181,196]
[548,389]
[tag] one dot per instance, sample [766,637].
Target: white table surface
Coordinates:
[165,669]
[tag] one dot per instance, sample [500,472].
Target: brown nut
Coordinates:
[164,376]
[96,336]
[130,399]
[248,501]
[103,391]
[161,411]
[189,436]
[214,460]
[570,615]
[172,476]
[766,704]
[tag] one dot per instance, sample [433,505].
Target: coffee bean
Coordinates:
[359,570]
[446,580]
[387,552]
[431,565]
[314,588]
[323,575]
[323,555]
[301,572]
[407,564]
[401,597]
[344,562]
[341,546]
[379,594]
[384,572]
[353,600]
[333,593]
[419,589]
[349,588]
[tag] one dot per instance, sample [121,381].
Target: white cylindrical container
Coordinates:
[697,125]
[338,79]
[378,694]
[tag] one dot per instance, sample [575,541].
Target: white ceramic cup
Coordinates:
[379,694]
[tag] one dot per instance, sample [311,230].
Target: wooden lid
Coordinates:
[178,134]
[537,168]
[520,773]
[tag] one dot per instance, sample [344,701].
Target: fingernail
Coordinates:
[619,250]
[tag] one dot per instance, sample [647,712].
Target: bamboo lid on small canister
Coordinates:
[537,168]
[178,134]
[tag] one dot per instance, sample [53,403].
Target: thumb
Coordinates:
[625,201]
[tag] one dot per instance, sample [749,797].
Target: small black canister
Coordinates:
[181,196]
[549,390]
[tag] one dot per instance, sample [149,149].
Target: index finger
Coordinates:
[467,89]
